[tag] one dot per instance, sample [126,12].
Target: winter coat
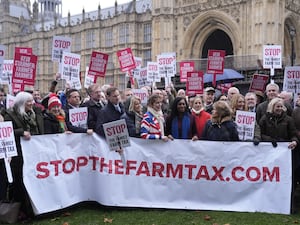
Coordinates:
[51,124]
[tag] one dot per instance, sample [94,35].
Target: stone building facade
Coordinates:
[151,27]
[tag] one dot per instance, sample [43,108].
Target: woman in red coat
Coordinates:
[200,115]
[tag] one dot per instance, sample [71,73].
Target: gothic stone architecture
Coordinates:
[151,27]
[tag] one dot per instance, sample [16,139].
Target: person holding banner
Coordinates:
[221,126]
[201,116]
[276,125]
[26,121]
[112,111]
[152,125]
[181,124]
[73,100]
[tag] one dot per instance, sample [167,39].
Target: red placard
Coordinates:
[21,50]
[126,59]
[259,82]
[185,67]
[215,61]
[98,64]
[24,69]
[194,83]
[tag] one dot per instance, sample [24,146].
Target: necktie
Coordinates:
[117,107]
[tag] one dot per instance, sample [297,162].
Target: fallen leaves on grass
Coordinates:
[65,223]
[106,220]
[207,217]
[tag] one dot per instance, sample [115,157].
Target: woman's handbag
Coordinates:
[9,211]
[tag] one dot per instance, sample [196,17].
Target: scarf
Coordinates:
[197,112]
[185,127]
[160,118]
[62,123]
[29,120]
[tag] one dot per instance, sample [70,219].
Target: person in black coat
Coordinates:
[54,117]
[94,105]
[111,112]
[133,115]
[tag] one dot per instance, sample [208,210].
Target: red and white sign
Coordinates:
[272,57]
[167,64]
[259,82]
[7,140]
[224,87]
[185,67]
[70,66]
[138,62]
[126,59]
[116,134]
[245,124]
[215,61]
[22,50]
[152,72]
[291,80]
[245,175]
[24,69]
[142,94]
[78,117]
[98,64]
[60,44]
[194,83]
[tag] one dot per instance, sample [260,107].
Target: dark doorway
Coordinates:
[218,40]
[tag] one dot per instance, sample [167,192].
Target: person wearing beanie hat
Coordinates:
[54,117]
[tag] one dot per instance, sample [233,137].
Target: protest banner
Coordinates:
[116,134]
[24,69]
[245,122]
[70,66]
[88,79]
[23,50]
[258,83]
[167,65]
[126,59]
[291,79]
[142,94]
[2,52]
[8,147]
[194,83]
[78,116]
[179,174]
[215,63]
[7,72]
[60,44]
[152,72]
[98,64]
[141,77]
[272,59]
[185,67]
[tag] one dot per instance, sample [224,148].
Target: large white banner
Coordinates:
[63,169]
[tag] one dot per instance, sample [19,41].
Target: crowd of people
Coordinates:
[168,115]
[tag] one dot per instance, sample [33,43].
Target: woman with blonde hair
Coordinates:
[133,115]
[237,103]
[220,127]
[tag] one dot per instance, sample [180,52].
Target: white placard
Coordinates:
[142,94]
[272,57]
[70,66]
[116,134]
[59,45]
[245,124]
[78,117]
[167,64]
[291,80]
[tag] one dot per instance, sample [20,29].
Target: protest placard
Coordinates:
[152,72]
[142,94]
[215,61]
[88,79]
[272,57]
[126,59]
[167,64]
[185,67]
[70,66]
[245,124]
[7,72]
[98,64]
[291,79]
[194,83]
[78,117]
[60,44]
[116,134]
[259,82]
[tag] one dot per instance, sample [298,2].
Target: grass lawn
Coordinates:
[94,214]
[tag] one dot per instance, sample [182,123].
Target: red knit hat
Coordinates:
[53,101]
